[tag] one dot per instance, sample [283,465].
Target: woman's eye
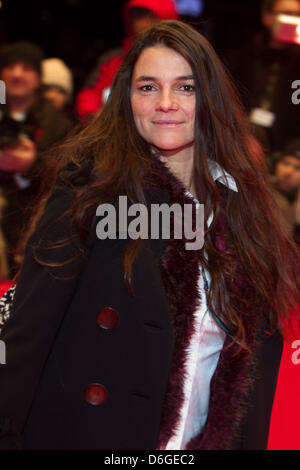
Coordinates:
[189,88]
[147,88]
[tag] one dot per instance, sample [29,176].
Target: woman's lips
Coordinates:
[167,123]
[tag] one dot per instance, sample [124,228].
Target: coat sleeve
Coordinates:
[42,297]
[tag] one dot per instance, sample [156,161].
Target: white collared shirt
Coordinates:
[203,352]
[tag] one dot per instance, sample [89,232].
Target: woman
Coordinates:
[112,343]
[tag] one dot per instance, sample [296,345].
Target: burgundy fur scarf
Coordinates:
[235,374]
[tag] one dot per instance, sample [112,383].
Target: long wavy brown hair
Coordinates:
[121,158]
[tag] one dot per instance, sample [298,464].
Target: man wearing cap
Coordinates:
[286,184]
[28,126]
[264,70]
[138,15]
[57,81]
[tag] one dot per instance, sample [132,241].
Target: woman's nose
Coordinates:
[167,101]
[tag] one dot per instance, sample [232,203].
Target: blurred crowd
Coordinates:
[40,108]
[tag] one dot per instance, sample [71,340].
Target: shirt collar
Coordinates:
[219,174]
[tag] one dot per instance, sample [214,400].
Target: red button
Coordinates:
[107,318]
[95,394]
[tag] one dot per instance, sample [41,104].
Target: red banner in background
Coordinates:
[284,433]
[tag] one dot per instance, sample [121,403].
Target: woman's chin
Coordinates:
[169,150]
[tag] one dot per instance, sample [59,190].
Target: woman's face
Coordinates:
[163,100]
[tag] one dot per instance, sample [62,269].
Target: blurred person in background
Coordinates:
[286,184]
[57,81]
[265,69]
[138,15]
[28,126]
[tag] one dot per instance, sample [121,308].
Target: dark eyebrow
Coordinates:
[144,78]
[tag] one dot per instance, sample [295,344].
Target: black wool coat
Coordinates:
[89,366]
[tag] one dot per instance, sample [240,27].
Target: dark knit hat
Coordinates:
[22,51]
[292,148]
